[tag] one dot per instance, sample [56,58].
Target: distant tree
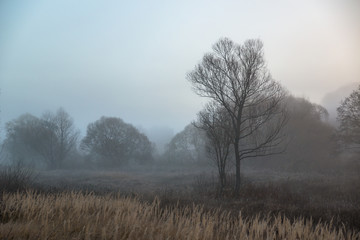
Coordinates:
[61,137]
[50,138]
[216,123]
[187,146]
[236,77]
[349,119]
[116,142]
[22,137]
[310,141]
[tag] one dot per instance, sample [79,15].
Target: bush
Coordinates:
[15,178]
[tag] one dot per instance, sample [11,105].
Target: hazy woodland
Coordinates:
[180,121]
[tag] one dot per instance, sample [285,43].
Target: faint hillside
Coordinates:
[333,99]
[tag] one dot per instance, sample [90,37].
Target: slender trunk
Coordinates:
[221,185]
[237,161]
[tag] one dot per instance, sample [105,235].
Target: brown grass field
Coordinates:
[177,203]
[30,215]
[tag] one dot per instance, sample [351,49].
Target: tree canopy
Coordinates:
[50,138]
[115,142]
[235,76]
[349,119]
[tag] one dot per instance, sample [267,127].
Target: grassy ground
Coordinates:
[87,216]
[326,197]
[272,200]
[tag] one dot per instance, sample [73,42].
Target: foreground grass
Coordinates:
[87,216]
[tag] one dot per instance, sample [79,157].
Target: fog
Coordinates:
[234,106]
[332,100]
[130,59]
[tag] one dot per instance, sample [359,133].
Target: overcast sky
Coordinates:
[129,58]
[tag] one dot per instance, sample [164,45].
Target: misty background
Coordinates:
[246,111]
[129,59]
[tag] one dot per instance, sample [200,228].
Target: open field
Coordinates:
[182,203]
[154,178]
[87,216]
[326,197]
[130,180]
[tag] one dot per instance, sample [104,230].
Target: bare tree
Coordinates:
[215,121]
[236,77]
[50,138]
[61,136]
[349,119]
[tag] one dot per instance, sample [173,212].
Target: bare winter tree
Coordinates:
[61,136]
[215,121]
[349,119]
[51,138]
[236,77]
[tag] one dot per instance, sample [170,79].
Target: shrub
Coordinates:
[15,178]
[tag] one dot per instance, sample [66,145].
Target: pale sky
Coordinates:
[129,59]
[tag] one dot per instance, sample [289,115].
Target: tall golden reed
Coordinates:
[87,216]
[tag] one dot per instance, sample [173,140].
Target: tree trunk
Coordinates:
[237,161]
[221,189]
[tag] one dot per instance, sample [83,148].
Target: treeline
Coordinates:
[310,141]
[249,119]
[52,141]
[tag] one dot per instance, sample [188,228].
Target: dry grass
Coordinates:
[87,216]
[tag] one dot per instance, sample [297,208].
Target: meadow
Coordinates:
[178,203]
[72,215]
